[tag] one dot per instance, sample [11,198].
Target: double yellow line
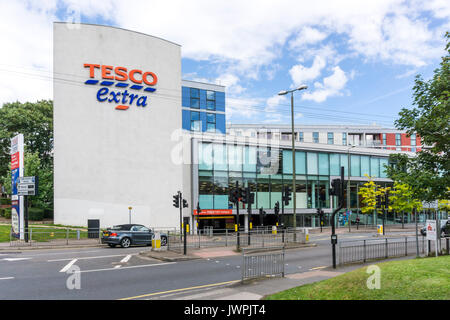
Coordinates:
[181,290]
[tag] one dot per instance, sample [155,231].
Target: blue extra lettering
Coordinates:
[142,101]
[102,92]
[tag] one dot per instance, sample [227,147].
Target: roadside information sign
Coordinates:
[431,229]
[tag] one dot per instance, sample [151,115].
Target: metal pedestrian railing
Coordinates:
[225,238]
[56,237]
[260,263]
[366,250]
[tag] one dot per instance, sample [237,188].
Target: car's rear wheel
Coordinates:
[125,242]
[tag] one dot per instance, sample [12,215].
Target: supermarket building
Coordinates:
[129,132]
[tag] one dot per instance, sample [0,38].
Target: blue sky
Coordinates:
[358,58]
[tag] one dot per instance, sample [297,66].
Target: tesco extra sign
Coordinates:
[120,85]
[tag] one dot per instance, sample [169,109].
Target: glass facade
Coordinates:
[266,170]
[203,110]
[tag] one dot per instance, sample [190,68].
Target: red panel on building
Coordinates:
[214,212]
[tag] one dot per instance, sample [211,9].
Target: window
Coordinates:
[300,135]
[383,136]
[210,122]
[330,138]
[413,139]
[315,137]
[398,141]
[196,123]
[344,138]
[210,100]
[195,98]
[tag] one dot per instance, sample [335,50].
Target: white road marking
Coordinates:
[130,267]
[68,265]
[15,259]
[125,260]
[7,278]
[86,258]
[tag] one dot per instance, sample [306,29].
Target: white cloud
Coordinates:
[231,83]
[300,74]
[246,108]
[331,86]
[306,36]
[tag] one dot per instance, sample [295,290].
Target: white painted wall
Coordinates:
[105,159]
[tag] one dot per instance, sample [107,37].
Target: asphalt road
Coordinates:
[116,273]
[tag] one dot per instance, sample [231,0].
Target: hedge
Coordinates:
[36,214]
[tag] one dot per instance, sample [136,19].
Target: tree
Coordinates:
[429,119]
[35,122]
[368,196]
[33,167]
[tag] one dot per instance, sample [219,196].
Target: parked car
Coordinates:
[126,235]
[445,229]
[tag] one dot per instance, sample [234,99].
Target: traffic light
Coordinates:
[379,201]
[246,195]
[335,189]
[277,208]
[386,199]
[176,201]
[198,208]
[235,195]
[252,198]
[286,195]
[185,204]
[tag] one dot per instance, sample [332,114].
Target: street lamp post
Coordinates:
[282,93]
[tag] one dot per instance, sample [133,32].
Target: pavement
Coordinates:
[205,253]
[255,289]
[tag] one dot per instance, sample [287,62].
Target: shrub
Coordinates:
[35,214]
[7,213]
[2,212]
[5,201]
[48,213]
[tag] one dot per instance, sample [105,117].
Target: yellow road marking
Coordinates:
[181,290]
[318,268]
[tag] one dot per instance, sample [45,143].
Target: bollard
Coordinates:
[156,242]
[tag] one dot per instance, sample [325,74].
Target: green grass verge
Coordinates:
[44,233]
[415,279]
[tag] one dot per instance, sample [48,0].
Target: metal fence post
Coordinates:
[406,246]
[31,234]
[386,250]
[226,237]
[364,257]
